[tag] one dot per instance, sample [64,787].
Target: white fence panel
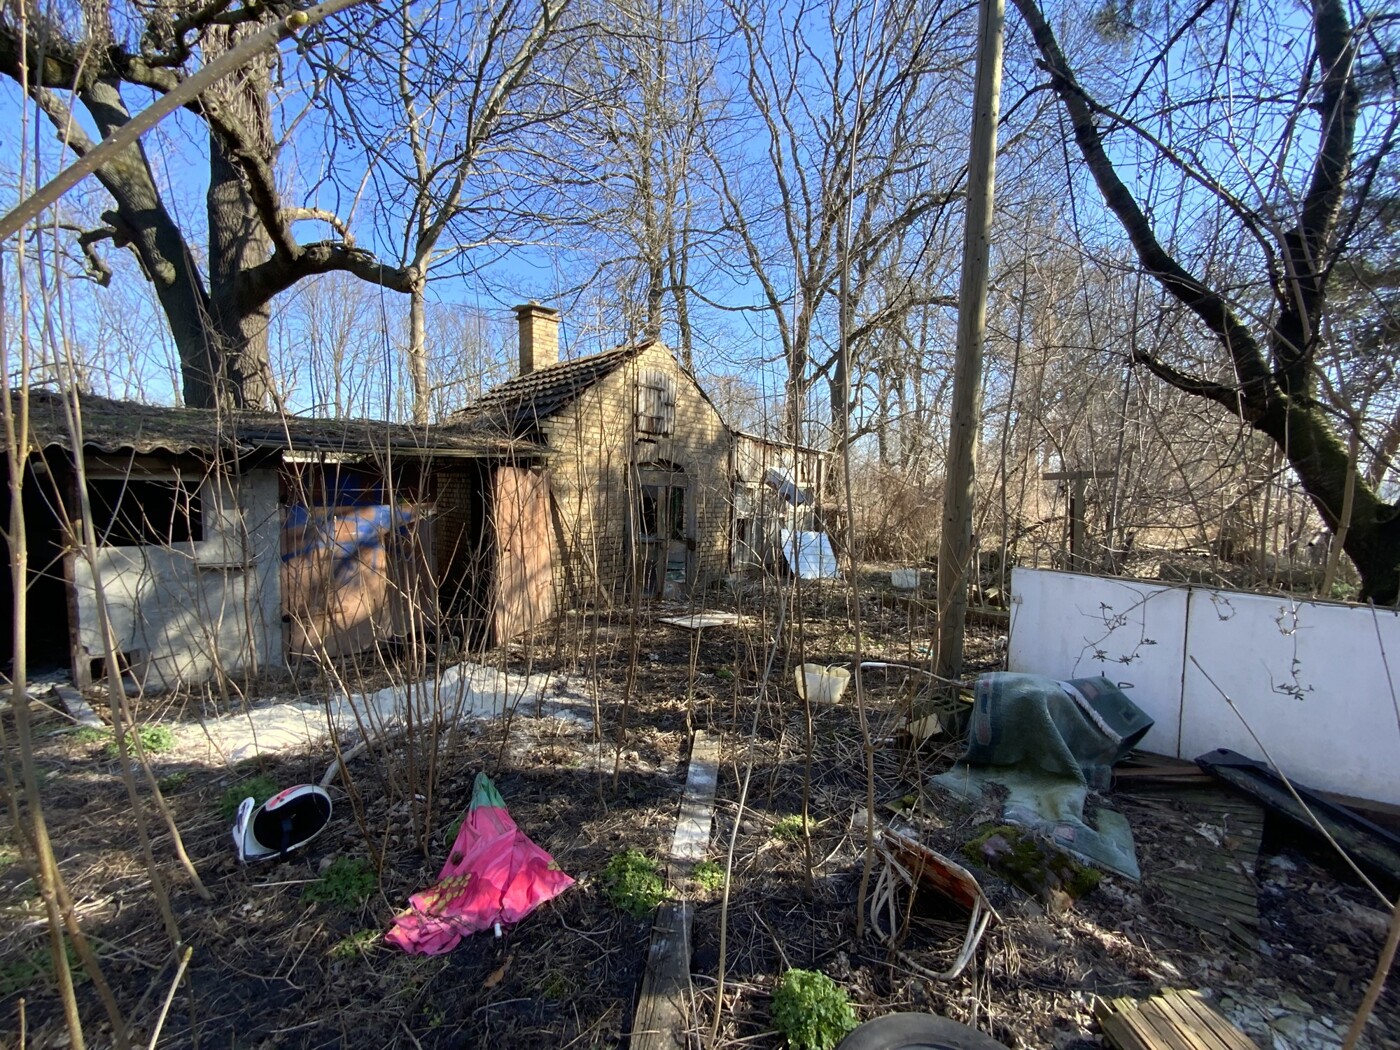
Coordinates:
[1310,678]
[1068,625]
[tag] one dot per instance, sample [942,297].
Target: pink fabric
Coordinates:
[493,874]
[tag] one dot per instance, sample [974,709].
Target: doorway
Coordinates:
[48,644]
[663,532]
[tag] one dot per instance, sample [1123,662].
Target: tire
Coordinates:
[914,1031]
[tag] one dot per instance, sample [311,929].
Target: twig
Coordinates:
[170,997]
[738,820]
[182,95]
[1385,662]
[1373,990]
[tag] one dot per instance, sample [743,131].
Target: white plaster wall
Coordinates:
[1308,677]
[1068,625]
[193,609]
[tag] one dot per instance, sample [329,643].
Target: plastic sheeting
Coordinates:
[809,555]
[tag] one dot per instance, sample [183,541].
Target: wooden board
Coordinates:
[1173,1020]
[663,1007]
[524,579]
[703,618]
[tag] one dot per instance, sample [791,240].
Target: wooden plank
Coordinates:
[1120,1033]
[1225,1031]
[664,1004]
[1175,1029]
[1173,1020]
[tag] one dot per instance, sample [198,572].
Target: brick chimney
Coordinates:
[539,336]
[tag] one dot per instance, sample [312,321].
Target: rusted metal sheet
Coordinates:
[524,580]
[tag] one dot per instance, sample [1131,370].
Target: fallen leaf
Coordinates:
[498,974]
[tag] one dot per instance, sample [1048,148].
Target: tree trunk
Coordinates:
[418,354]
[142,222]
[238,239]
[1320,459]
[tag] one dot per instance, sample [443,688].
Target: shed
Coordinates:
[777,485]
[228,543]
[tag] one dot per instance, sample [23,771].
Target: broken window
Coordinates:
[656,403]
[133,512]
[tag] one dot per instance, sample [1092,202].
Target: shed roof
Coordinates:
[128,426]
[518,404]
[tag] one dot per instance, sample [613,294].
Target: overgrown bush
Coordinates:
[811,1010]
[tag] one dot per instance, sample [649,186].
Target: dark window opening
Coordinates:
[648,514]
[677,530]
[134,512]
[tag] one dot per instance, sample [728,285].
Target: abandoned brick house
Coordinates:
[226,544]
[637,459]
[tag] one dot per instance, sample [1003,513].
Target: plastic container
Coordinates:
[821,684]
[905,579]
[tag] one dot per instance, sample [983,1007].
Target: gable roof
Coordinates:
[128,426]
[516,406]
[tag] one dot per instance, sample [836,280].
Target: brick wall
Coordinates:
[595,449]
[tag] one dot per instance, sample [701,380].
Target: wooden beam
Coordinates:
[957,560]
[663,1007]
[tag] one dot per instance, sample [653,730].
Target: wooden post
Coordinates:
[1078,556]
[955,549]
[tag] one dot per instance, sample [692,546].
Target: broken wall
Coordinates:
[1308,678]
[186,611]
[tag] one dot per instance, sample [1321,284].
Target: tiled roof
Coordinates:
[517,405]
[128,426]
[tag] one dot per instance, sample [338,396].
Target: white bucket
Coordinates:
[905,579]
[821,684]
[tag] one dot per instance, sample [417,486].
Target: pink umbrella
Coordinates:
[493,874]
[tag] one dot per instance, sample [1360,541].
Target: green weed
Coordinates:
[357,944]
[346,885]
[811,1011]
[633,883]
[154,740]
[260,787]
[708,876]
[90,735]
[789,828]
[173,781]
[36,968]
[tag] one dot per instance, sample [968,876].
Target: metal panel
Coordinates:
[1068,625]
[1309,678]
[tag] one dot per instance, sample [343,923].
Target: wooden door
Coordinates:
[523,588]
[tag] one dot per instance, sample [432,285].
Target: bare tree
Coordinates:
[86,61]
[836,165]
[1283,171]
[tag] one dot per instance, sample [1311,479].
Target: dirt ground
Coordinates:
[271,968]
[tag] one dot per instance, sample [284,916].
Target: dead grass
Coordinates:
[272,968]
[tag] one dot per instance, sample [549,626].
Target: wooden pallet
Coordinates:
[1173,1020]
[1219,894]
